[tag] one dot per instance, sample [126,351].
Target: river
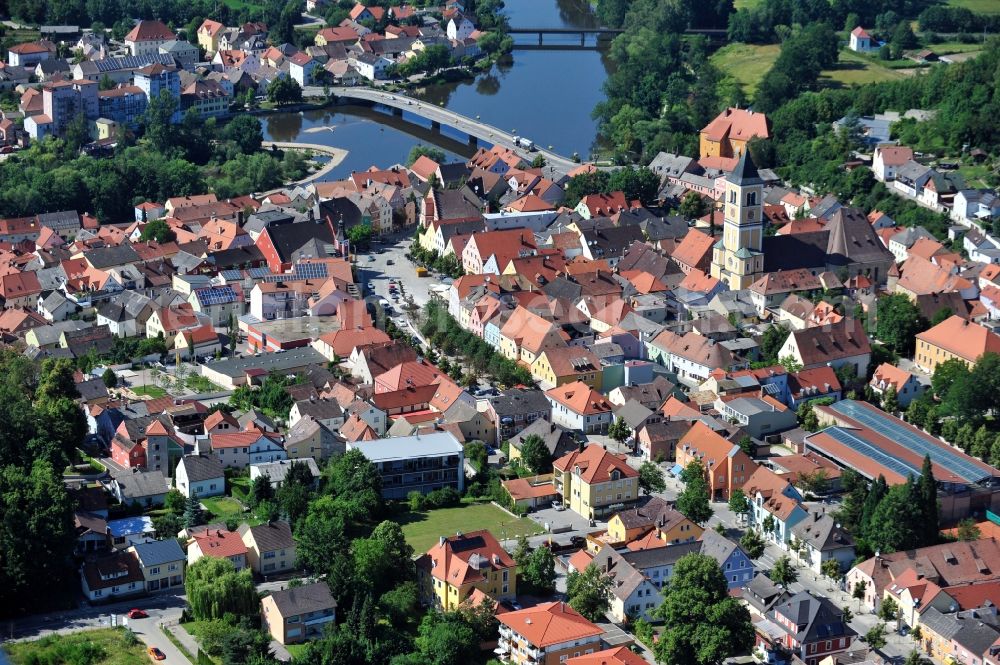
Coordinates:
[544,95]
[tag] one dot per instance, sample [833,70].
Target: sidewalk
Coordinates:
[185,638]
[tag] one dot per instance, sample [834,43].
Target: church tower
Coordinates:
[738,258]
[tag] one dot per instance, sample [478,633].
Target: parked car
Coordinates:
[156,654]
[136,613]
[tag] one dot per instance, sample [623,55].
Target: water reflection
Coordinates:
[547,96]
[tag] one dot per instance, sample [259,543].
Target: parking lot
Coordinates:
[387,260]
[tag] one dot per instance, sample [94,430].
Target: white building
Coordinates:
[201,476]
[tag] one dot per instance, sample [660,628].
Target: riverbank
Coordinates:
[336,155]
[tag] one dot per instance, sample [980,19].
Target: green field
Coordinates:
[854,69]
[944,48]
[94,647]
[747,63]
[151,391]
[223,507]
[977,6]
[422,529]
[747,4]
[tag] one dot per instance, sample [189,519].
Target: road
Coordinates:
[471,126]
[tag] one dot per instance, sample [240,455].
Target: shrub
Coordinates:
[443,498]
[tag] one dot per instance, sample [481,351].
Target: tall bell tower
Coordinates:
[738,258]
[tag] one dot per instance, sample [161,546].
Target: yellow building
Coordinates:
[458,565]
[738,258]
[594,482]
[208,35]
[526,335]
[657,516]
[728,134]
[561,365]
[954,337]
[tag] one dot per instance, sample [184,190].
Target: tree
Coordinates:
[790,364]
[284,90]
[535,454]
[888,610]
[540,571]
[738,502]
[432,153]
[929,510]
[245,131]
[771,342]
[383,559]
[475,452]
[747,445]
[752,543]
[703,623]
[214,588]
[831,568]
[619,430]
[816,482]
[158,122]
[109,378]
[875,637]
[898,322]
[444,638]
[890,402]
[858,593]
[193,515]
[157,230]
[693,206]
[260,491]
[175,502]
[651,478]
[320,536]
[356,486]
[589,592]
[783,572]
[36,535]
[522,551]
[947,374]
[693,501]
[914,657]
[360,236]
[968,530]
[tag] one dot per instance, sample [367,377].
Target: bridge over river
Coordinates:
[439,116]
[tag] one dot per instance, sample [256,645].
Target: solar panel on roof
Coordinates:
[231,275]
[259,273]
[310,270]
[897,431]
[216,295]
[871,451]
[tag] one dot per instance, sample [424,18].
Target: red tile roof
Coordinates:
[595,463]
[549,623]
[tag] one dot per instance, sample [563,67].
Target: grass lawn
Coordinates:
[975,174]
[422,529]
[239,487]
[297,650]
[747,63]
[96,647]
[854,69]
[945,48]
[151,391]
[240,4]
[977,6]
[223,507]
[747,4]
